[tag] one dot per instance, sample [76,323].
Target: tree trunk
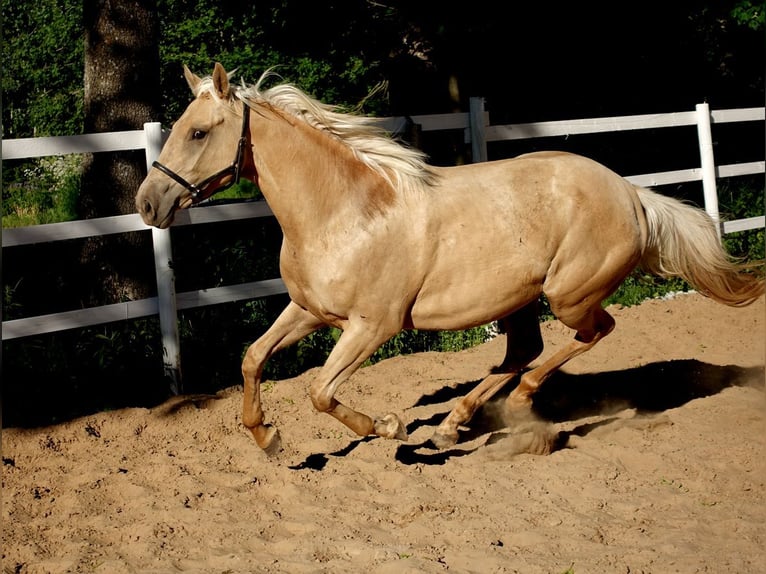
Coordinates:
[121,93]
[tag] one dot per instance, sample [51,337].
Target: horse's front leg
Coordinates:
[358,341]
[292,325]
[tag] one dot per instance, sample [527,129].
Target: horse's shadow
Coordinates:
[651,388]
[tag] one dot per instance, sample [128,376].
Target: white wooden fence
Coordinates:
[478,132]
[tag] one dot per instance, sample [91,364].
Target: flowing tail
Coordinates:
[683,242]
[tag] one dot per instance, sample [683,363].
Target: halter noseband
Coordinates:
[198,190]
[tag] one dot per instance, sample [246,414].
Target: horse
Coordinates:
[376,240]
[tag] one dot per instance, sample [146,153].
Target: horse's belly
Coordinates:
[474,297]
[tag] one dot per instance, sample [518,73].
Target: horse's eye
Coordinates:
[198,134]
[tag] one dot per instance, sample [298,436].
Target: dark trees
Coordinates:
[121,93]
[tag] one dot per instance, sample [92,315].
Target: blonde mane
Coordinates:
[402,166]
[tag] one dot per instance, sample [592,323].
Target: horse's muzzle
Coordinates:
[157,206]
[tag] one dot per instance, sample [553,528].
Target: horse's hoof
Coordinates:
[442,440]
[274,444]
[267,437]
[390,427]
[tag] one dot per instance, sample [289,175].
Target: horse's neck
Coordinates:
[309,179]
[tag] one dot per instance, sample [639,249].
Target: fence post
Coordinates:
[477,128]
[707,164]
[166,281]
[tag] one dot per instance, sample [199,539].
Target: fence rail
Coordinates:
[23,148]
[478,132]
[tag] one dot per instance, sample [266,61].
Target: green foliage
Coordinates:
[44,190]
[42,68]
[750,14]
[416,341]
[243,190]
[42,96]
[640,286]
[253,38]
[738,200]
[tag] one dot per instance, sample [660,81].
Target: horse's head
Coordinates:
[196,160]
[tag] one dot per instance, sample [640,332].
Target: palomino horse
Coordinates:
[376,240]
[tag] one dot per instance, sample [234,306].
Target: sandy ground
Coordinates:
[660,469]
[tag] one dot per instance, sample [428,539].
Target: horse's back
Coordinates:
[548,194]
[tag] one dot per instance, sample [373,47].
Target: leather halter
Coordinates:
[198,190]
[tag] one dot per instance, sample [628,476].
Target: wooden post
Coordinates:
[478,135]
[707,164]
[166,280]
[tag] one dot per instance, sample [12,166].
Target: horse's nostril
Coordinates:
[148,207]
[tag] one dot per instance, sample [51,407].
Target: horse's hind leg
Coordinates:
[523,341]
[523,345]
[591,325]
[292,325]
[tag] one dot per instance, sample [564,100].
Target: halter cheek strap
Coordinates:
[199,190]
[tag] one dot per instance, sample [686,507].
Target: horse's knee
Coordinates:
[521,396]
[251,418]
[322,401]
[253,361]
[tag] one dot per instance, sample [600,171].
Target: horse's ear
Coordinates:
[192,79]
[221,81]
